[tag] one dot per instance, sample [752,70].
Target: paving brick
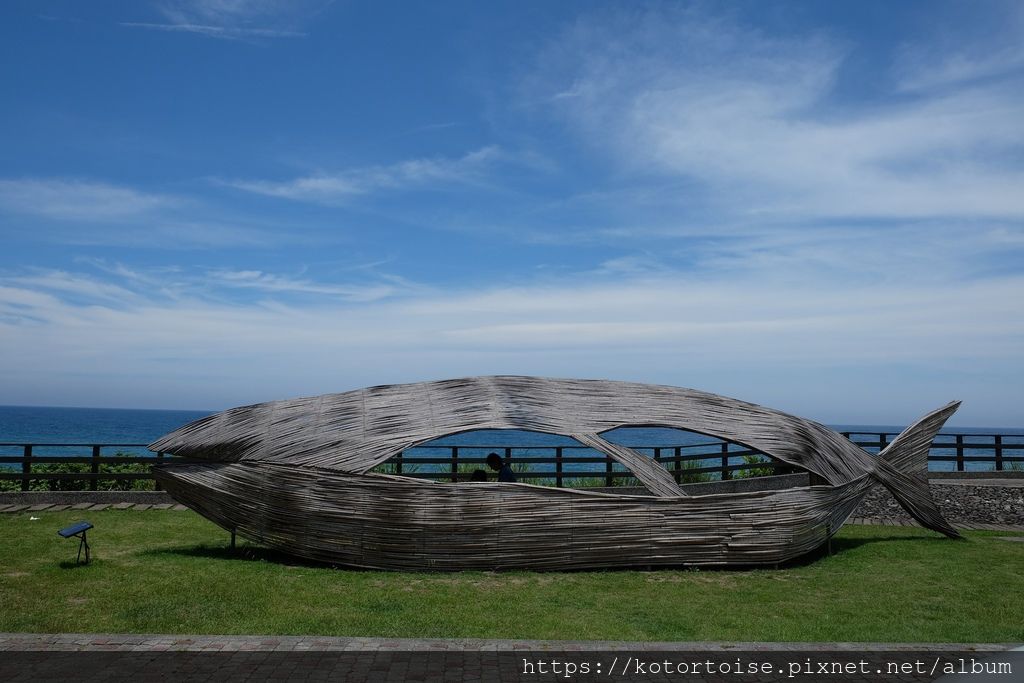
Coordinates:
[127,642]
[38,508]
[99,506]
[81,506]
[121,506]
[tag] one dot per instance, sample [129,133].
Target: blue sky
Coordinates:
[815,206]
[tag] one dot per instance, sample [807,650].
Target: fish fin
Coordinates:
[903,469]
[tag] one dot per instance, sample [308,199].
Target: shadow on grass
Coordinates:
[840,544]
[243,553]
[255,553]
[72,564]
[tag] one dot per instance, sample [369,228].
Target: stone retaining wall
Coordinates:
[958,502]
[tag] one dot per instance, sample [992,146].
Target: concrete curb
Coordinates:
[119,642]
[76,497]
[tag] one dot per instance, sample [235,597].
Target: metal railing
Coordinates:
[1004,451]
[579,464]
[92,455]
[556,465]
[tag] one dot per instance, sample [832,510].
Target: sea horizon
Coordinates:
[41,425]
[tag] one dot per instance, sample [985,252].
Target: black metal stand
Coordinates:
[78,529]
[83,544]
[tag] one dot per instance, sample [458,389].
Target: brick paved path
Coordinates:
[91,507]
[158,658]
[63,642]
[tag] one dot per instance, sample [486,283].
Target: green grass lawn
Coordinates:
[171,572]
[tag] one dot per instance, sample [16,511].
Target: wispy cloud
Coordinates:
[671,327]
[749,123]
[172,233]
[113,283]
[78,200]
[225,32]
[368,289]
[119,215]
[965,54]
[80,288]
[234,19]
[344,185]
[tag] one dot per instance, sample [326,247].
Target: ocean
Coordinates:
[39,425]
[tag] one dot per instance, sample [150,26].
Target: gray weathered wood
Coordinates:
[295,475]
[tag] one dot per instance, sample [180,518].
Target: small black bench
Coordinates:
[78,529]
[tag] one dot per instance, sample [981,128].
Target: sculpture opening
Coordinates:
[547,459]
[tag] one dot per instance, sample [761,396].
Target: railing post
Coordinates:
[398,462]
[608,480]
[508,456]
[678,464]
[882,442]
[726,474]
[959,452]
[455,464]
[999,452]
[26,467]
[558,467]
[95,467]
[156,484]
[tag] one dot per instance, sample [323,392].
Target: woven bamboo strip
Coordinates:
[292,475]
[384,522]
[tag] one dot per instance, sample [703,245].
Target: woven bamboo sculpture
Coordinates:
[295,476]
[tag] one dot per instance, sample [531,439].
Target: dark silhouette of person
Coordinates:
[505,473]
[478,475]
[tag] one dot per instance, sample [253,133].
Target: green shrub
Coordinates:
[106,467]
[754,471]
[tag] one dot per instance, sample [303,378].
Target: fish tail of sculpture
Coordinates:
[903,469]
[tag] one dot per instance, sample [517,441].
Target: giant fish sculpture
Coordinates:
[295,475]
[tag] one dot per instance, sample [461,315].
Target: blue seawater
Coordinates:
[23,424]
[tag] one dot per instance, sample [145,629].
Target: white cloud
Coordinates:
[364,291]
[169,232]
[225,32]
[751,124]
[750,331]
[234,19]
[118,285]
[221,11]
[343,186]
[927,71]
[81,288]
[78,200]
[118,215]
[985,47]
